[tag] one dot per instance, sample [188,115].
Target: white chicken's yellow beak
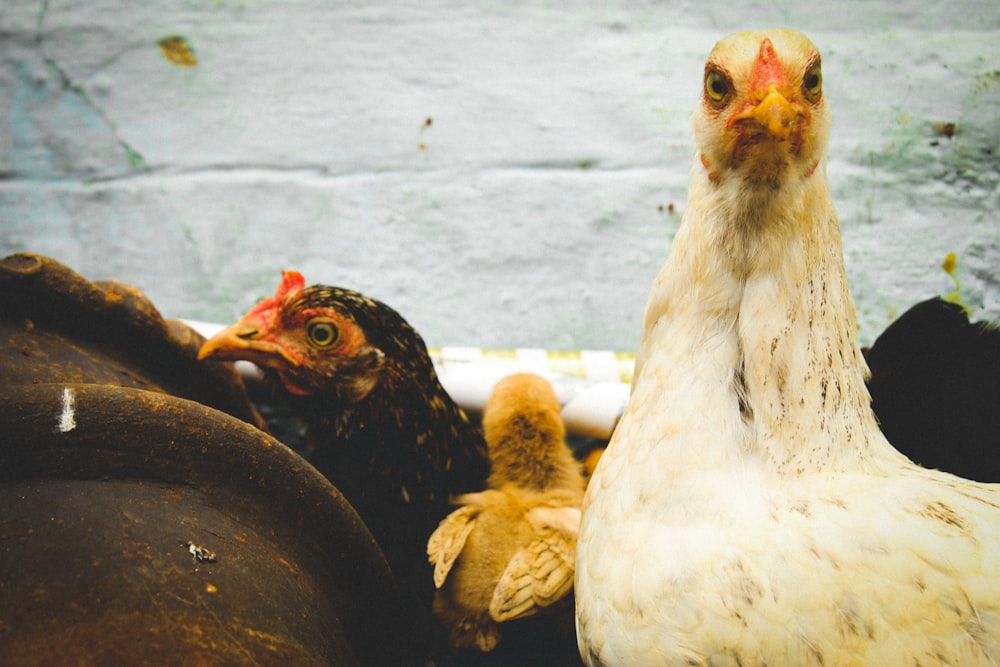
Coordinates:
[775,114]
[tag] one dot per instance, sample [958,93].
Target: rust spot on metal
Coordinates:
[291,568]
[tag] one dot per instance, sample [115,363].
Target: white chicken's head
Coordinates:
[762,112]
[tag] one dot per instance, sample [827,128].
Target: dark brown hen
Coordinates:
[382,427]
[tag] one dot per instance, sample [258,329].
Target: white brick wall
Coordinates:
[533,209]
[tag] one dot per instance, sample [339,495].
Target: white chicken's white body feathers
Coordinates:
[748,510]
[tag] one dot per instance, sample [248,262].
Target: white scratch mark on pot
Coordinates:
[67,420]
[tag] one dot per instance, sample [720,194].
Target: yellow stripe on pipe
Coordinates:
[598,365]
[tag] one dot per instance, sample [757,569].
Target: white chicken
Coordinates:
[748,510]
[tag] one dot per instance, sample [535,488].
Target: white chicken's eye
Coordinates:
[717,86]
[812,84]
[321,333]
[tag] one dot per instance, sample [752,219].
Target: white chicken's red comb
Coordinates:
[767,68]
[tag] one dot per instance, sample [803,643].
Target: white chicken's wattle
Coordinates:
[748,510]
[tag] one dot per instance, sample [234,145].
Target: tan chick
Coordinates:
[508,552]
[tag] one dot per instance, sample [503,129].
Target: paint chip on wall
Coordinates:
[177,51]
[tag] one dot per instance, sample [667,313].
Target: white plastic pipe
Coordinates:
[592,385]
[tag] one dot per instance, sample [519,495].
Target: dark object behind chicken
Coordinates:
[56,326]
[382,427]
[935,389]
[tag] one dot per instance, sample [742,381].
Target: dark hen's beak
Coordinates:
[243,341]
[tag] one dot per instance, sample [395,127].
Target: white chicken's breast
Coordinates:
[748,510]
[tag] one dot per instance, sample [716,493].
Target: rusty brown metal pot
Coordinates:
[141,528]
[57,326]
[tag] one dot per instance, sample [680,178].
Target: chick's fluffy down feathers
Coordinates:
[508,552]
[530,546]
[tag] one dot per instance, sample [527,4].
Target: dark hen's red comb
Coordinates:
[291,282]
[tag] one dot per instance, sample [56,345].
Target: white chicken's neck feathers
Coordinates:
[760,280]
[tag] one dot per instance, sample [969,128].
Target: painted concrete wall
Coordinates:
[504,174]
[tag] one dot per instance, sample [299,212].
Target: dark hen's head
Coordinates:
[322,340]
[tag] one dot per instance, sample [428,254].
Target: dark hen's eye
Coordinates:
[812,84]
[717,86]
[322,333]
